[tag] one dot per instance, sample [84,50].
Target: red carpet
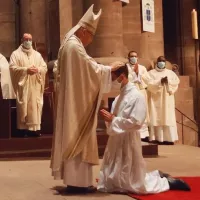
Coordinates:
[194,194]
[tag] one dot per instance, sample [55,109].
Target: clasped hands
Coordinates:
[32,70]
[107,116]
[164,80]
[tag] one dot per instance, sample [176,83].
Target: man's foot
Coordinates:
[154,141]
[146,139]
[33,133]
[162,174]
[178,184]
[78,190]
[168,143]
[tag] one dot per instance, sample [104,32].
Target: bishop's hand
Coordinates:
[108,117]
[116,65]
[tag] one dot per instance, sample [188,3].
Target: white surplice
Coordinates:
[138,81]
[5,79]
[81,86]
[162,105]
[123,168]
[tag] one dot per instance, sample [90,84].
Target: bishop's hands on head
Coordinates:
[115,66]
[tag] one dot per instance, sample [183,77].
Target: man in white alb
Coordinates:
[137,73]
[162,85]
[123,168]
[6,84]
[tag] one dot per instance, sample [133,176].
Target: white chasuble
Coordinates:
[29,89]
[81,86]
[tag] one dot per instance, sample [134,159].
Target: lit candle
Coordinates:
[194,24]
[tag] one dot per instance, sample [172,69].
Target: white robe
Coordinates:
[141,85]
[123,168]
[6,84]
[162,105]
[81,85]
[28,88]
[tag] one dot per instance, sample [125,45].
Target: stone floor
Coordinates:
[31,179]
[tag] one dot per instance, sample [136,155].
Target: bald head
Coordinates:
[27,41]
[27,36]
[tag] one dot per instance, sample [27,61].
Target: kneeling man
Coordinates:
[123,169]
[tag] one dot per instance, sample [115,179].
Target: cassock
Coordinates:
[6,84]
[29,89]
[139,82]
[81,85]
[123,168]
[162,105]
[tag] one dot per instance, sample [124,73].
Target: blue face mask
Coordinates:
[133,60]
[161,65]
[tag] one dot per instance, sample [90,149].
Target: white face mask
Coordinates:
[133,60]
[116,85]
[161,65]
[27,44]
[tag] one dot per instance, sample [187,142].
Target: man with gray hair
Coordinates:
[81,83]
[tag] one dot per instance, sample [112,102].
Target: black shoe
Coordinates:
[168,143]
[146,139]
[162,174]
[33,134]
[79,190]
[178,184]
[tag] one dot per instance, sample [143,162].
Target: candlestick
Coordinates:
[194,24]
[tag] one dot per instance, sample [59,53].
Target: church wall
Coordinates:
[33,19]
[70,13]
[148,45]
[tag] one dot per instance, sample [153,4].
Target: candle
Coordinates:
[194,24]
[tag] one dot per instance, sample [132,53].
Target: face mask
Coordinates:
[116,85]
[133,60]
[161,65]
[27,44]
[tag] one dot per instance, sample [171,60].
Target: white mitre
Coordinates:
[89,21]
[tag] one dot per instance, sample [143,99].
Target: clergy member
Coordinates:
[28,71]
[162,85]
[6,84]
[123,169]
[137,73]
[82,81]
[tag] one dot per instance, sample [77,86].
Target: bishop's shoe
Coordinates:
[80,190]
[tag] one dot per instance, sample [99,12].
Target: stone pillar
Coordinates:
[108,41]
[70,13]
[148,45]
[33,20]
[7,24]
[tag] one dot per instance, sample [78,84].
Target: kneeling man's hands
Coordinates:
[108,117]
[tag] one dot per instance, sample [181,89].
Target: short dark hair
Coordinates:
[130,52]
[122,70]
[161,58]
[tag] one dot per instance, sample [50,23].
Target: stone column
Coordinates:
[33,20]
[148,45]
[108,41]
[70,13]
[7,24]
